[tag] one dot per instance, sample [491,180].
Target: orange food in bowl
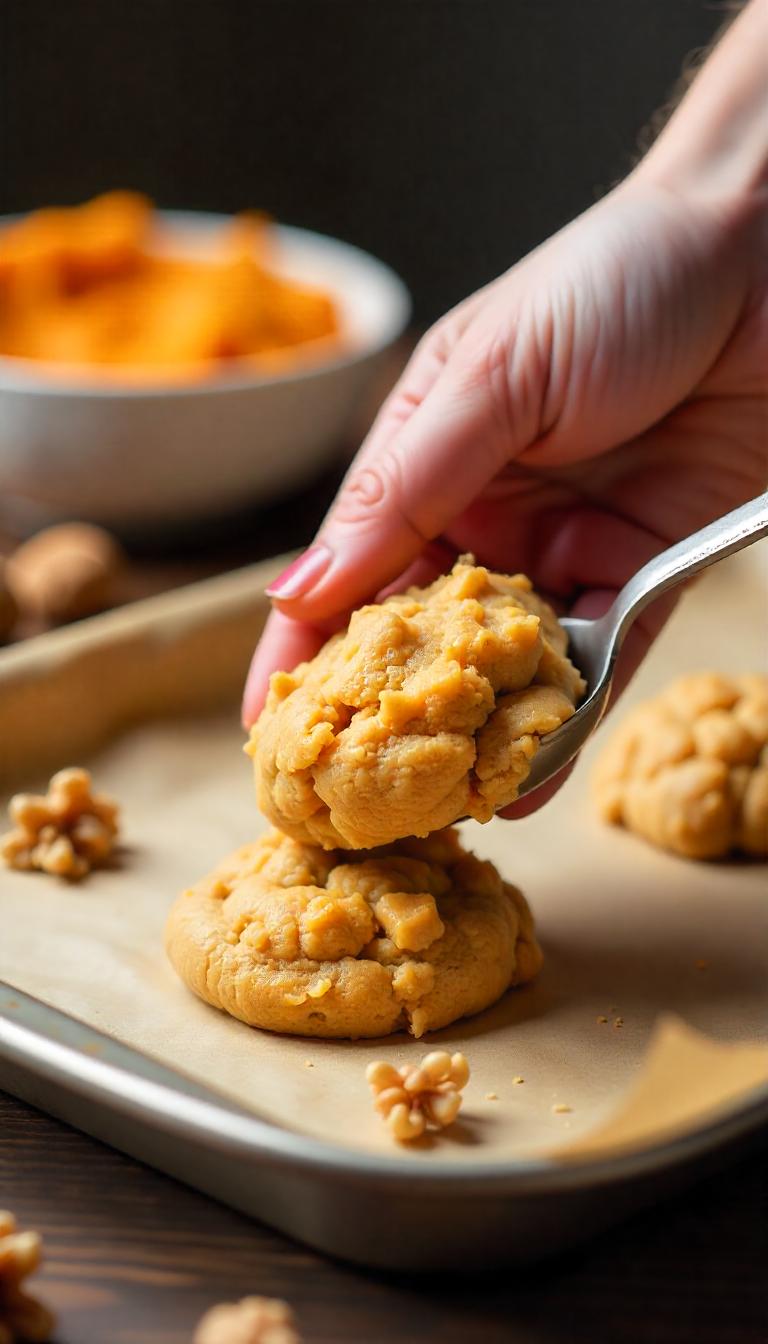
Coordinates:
[97,285]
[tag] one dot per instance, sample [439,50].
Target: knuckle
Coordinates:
[489,371]
[441,338]
[376,490]
[509,366]
[481,346]
[483,378]
[371,488]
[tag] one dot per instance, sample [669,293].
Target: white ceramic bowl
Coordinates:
[127,455]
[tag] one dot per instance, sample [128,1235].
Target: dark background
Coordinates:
[446,136]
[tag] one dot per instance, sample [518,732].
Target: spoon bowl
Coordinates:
[594,646]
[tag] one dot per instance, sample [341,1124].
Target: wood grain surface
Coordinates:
[134,1257]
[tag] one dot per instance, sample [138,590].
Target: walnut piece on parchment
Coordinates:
[22,1319]
[253,1320]
[416,1097]
[66,832]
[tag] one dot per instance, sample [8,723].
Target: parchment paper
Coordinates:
[628,933]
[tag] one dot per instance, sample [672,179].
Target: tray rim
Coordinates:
[185,1107]
[186,604]
[69,1067]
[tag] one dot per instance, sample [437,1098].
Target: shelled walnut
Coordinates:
[419,1096]
[64,572]
[22,1319]
[65,832]
[254,1320]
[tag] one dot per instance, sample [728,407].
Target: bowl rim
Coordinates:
[33,377]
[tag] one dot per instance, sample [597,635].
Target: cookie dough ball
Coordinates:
[689,770]
[293,938]
[428,708]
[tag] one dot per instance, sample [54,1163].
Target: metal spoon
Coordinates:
[594,645]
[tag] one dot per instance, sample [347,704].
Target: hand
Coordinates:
[604,398]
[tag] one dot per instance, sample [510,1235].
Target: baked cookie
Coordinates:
[294,938]
[689,770]
[428,708]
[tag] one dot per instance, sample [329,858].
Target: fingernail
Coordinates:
[302,574]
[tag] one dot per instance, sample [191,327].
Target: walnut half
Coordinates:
[65,832]
[21,1317]
[419,1096]
[253,1320]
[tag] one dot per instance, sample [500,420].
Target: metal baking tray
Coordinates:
[375,1211]
[158,683]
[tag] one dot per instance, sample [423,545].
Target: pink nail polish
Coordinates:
[302,574]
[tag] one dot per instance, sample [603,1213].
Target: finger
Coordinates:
[582,547]
[421,373]
[400,498]
[283,644]
[437,558]
[641,635]
[532,801]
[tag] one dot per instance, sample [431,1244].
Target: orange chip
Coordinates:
[88,286]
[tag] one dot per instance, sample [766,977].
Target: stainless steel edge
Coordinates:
[77,1074]
[63,1050]
[404,1211]
[387,1213]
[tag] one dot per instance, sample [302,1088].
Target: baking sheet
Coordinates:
[628,933]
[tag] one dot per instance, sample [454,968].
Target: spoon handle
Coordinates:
[726,535]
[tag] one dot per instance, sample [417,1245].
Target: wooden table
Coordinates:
[133,1257]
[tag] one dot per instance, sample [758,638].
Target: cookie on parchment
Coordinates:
[294,938]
